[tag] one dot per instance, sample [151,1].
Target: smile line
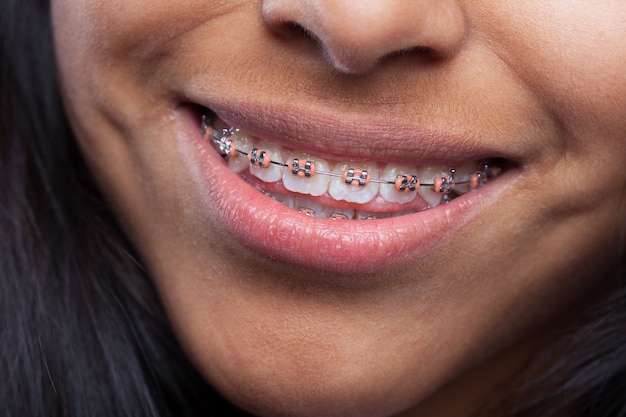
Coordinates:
[445,187]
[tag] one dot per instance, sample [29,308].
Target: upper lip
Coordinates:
[371,136]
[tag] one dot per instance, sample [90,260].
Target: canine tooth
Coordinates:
[245,143]
[318,210]
[465,171]
[314,185]
[463,175]
[388,191]
[339,190]
[273,172]
[429,175]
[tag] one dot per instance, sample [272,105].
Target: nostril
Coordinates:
[287,29]
[353,37]
[294,31]
[422,53]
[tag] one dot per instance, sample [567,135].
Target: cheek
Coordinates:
[572,54]
[106,55]
[123,25]
[127,34]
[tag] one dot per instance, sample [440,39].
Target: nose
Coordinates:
[357,34]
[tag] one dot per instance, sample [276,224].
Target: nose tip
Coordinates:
[356,35]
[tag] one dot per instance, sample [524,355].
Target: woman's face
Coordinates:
[292,314]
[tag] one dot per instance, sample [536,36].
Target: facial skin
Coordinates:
[539,83]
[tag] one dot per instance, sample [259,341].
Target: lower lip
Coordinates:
[352,247]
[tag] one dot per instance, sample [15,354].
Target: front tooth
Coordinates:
[316,184]
[370,215]
[342,214]
[339,190]
[273,172]
[388,191]
[244,143]
[428,175]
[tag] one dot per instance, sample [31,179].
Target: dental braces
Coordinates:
[225,143]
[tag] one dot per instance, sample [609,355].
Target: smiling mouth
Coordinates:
[342,190]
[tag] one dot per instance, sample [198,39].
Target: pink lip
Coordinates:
[274,231]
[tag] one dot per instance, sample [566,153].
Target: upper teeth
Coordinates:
[358,183]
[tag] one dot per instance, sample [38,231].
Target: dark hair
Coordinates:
[582,374]
[82,332]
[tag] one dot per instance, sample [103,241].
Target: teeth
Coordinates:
[273,172]
[245,143]
[312,208]
[389,193]
[429,175]
[353,182]
[315,185]
[286,199]
[369,215]
[403,213]
[462,177]
[339,190]
[342,214]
